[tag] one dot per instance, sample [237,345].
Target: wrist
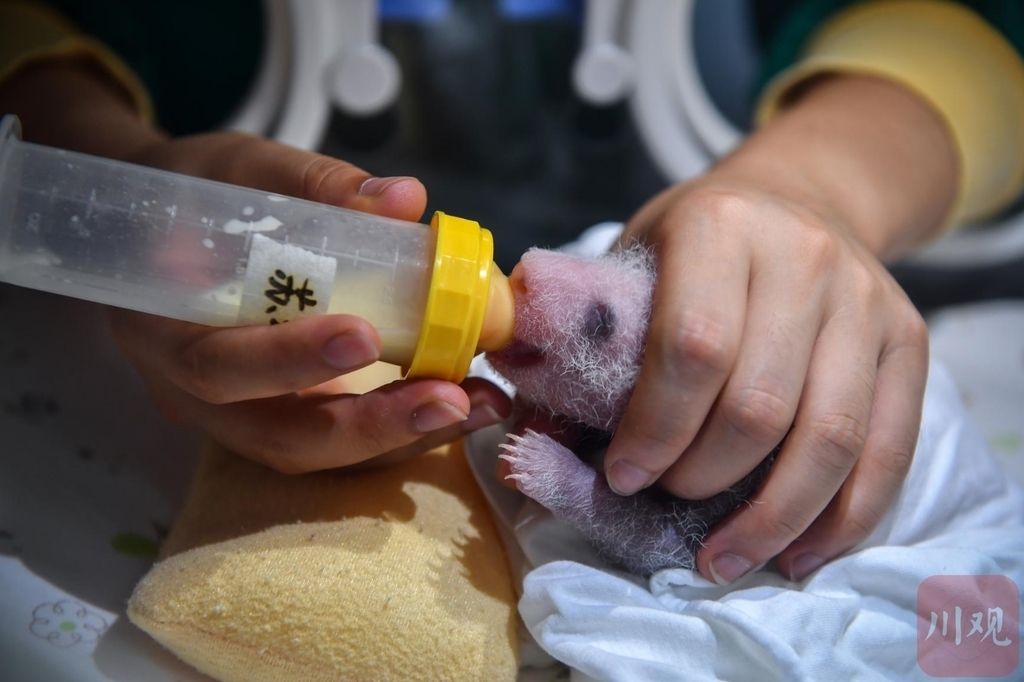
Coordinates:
[71,104]
[866,154]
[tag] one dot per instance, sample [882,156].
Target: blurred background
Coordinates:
[488,118]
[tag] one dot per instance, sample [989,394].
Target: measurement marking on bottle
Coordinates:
[92,203]
[358,258]
[172,211]
[246,246]
[131,211]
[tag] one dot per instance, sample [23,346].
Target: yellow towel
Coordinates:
[394,573]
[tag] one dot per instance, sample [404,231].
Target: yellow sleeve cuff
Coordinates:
[952,59]
[31,33]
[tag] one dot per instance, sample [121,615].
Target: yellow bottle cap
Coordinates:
[460,287]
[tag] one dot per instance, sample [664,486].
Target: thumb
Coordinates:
[399,196]
[259,163]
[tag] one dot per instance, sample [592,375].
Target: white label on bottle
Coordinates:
[284,282]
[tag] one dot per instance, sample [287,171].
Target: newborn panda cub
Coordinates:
[580,331]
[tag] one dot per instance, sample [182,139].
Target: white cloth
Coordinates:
[958,514]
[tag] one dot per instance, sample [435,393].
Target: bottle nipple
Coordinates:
[499,317]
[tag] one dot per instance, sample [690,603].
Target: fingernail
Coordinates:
[479,417]
[804,565]
[436,415]
[626,479]
[727,568]
[349,351]
[373,187]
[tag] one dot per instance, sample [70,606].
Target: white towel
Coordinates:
[958,514]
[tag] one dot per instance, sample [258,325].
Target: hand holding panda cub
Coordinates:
[580,331]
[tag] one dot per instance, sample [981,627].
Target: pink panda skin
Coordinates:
[580,330]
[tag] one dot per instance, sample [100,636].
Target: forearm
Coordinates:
[867,153]
[67,103]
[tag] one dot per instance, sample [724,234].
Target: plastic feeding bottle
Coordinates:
[216,254]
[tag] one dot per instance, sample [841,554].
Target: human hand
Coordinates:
[272,393]
[773,315]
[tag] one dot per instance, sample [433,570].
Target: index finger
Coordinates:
[696,325]
[263,164]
